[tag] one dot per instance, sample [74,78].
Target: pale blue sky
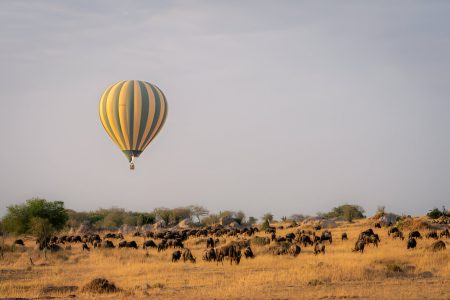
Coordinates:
[281,106]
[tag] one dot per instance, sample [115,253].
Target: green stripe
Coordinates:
[156,116]
[105,115]
[130,111]
[116,111]
[144,111]
[165,112]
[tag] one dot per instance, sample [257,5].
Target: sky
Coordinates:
[274,106]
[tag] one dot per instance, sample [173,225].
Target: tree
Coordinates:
[268,217]
[297,217]
[265,225]
[239,217]
[163,213]
[198,211]
[18,217]
[42,229]
[251,221]
[347,211]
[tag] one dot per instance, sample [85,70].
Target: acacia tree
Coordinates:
[198,211]
[268,217]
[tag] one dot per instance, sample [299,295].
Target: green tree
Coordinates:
[251,221]
[265,225]
[42,229]
[347,211]
[268,217]
[18,217]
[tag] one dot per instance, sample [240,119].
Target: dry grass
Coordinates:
[387,272]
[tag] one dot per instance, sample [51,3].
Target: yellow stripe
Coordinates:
[103,117]
[151,114]
[160,119]
[110,115]
[137,113]
[123,113]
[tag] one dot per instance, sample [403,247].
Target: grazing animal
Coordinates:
[19,242]
[86,247]
[326,236]
[439,245]
[248,253]
[398,234]
[377,225]
[210,243]
[305,239]
[445,233]
[273,237]
[393,230]
[344,236]
[176,255]
[162,246]
[209,255]
[411,244]
[125,244]
[319,248]
[294,250]
[372,239]
[231,251]
[149,244]
[415,234]
[359,246]
[108,244]
[187,255]
[432,235]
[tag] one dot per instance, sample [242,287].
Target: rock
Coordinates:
[388,219]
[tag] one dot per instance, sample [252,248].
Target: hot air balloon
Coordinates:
[133,112]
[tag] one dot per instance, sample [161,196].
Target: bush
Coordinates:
[347,211]
[436,213]
[18,219]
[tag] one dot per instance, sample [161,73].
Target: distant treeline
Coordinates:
[36,214]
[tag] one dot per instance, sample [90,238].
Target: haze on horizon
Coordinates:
[289,108]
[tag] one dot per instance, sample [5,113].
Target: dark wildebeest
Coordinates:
[398,234]
[305,240]
[248,253]
[326,236]
[290,236]
[319,248]
[187,255]
[86,247]
[317,227]
[359,246]
[149,244]
[411,243]
[445,233]
[210,243]
[377,225]
[53,248]
[273,237]
[393,230]
[294,250]
[344,236]
[125,244]
[209,254]
[432,235]
[231,251]
[439,245]
[415,234]
[108,244]
[372,239]
[176,255]
[162,246]
[19,242]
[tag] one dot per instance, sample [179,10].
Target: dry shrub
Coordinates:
[100,286]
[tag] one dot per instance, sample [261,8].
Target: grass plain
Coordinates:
[387,272]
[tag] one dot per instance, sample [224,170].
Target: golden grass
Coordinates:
[387,272]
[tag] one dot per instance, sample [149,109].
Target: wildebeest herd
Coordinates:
[217,249]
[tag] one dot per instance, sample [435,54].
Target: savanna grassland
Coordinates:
[387,272]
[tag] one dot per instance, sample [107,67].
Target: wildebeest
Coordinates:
[326,236]
[290,236]
[319,248]
[210,243]
[209,254]
[108,244]
[176,255]
[377,225]
[248,253]
[372,239]
[231,251]
[393,230]
[19,242]
[187,255]
[305,240]
[411,244]
[125,244]
[294,250]
[86,247]
[149,244]
[398,234]
[439,245]
[445,233]
[359,246]
[344,236]
[273,237]
[432,235]
[162,246]
[415,234]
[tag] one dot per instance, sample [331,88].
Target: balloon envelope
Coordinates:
[133,112]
